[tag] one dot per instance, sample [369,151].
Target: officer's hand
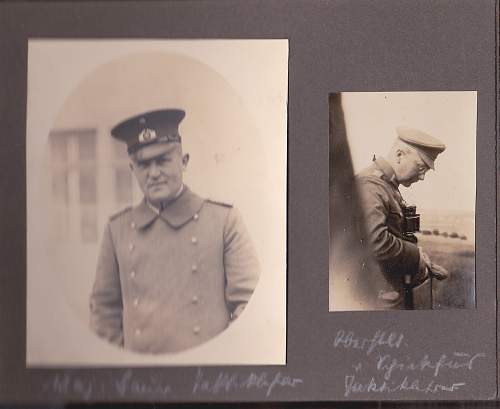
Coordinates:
[423,267]
[424,262]
[438,272]
[424,258]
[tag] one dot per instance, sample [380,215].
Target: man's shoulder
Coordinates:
[219,203]
[371,175]
[217,209]
[372,181]
[120,215]
[226,212]
[370,171]
[117,221]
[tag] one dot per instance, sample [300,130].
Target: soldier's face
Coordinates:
[158,170]
[411,168]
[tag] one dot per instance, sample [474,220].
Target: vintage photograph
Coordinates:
[402,200]
[156,178]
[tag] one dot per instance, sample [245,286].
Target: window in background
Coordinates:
[74,184]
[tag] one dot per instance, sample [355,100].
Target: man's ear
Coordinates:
[185,160]
[399,155]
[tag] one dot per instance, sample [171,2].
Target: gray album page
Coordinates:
[214,201]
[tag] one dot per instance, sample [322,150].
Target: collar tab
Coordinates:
[388,171]
[176,214]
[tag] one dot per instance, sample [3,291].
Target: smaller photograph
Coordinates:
[402,200]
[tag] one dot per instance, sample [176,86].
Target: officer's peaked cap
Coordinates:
[426,145]
[150,127]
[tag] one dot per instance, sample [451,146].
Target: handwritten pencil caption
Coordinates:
[128,384]
[67,384]
[397,371]
[225,382]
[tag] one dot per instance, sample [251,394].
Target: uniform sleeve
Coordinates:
[389,250]
[106,299]
[240,263]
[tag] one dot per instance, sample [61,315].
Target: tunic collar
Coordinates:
[177,213]
[388,171]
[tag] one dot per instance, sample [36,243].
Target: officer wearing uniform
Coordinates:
[175,270]
[411,156]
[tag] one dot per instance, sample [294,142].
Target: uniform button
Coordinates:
[194,240]
[136,302]
[196,329]
[132,225]
[132,274]
[194,268]
[131,247]
[194,300]
[137,332]
[196,216]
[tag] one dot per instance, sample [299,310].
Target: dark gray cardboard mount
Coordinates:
[337,45]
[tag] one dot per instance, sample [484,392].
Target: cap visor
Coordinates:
[428,161]
[154,150]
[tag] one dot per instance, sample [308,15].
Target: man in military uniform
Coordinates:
[403,263]
[175,270]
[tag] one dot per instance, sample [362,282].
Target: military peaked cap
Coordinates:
[150,127]
[426,145]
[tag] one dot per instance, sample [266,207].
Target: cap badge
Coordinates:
[147,135]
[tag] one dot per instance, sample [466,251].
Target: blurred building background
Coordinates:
[89,173]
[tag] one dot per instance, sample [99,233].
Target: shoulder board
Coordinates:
[121,212]
[374,174]
[219,203]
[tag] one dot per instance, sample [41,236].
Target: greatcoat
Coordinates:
[382,204]
[171,280]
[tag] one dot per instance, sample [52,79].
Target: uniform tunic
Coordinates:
[381,204]
[170,281]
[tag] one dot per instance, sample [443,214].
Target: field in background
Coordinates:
[455,254]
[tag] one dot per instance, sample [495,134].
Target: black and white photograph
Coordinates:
[402,200]
[156,202]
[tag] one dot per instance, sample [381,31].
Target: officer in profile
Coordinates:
[175,270]
[388,220]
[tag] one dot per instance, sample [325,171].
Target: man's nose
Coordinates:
[154,170]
